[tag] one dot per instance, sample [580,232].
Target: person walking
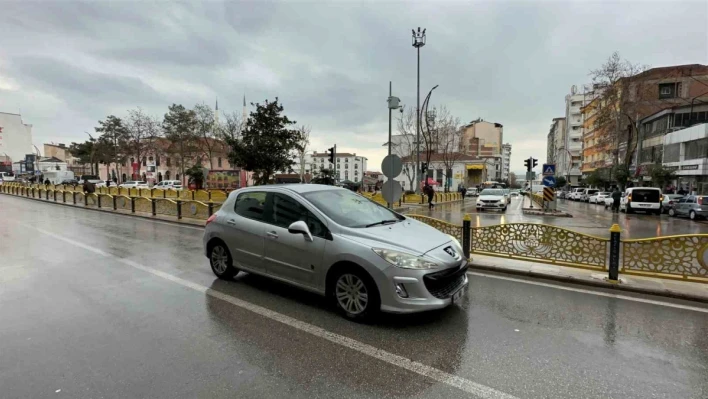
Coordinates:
[616,196]
[428,190]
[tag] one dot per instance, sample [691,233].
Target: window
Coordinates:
[167,162]
[251,205]
[132,160]
[669,90]
[285,211]
[346,175]
[218,162]
[356,179]
[346,166]
[696,149]
[346,159]
[339,159]
[144,161]
[349,209]
[157,161]
[356,166]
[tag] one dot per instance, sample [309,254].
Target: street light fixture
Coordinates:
[418,42]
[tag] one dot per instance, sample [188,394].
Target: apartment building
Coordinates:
[483,140]
[555,144]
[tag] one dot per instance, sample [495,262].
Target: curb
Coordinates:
[598,283]
[561,214]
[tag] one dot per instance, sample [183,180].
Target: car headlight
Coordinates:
[404,260]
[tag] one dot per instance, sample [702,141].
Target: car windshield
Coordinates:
[490,191]
[350,209]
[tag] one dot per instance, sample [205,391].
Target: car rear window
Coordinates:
[645,195]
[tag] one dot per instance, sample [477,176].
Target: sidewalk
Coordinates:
[639,284]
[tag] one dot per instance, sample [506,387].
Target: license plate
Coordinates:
[645,205]
[459,294]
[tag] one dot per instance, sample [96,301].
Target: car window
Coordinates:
[349,209]
[251,205]
[691,200]
[286,210]
[488,191]
[643,195]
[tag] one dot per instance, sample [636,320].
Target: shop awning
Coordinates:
[474,167]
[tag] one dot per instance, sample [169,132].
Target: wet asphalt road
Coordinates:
[94,305]
[587,218]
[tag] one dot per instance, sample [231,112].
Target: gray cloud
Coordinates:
[330,63]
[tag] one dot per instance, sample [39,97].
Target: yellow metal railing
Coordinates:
[680,256]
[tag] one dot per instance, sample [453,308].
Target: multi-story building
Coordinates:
[467,170]
[506,161]
[555,144]
[483,140]
[595,154]
[15,139]
[570,153]
[349,166]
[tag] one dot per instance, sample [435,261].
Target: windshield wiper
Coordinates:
[382,222]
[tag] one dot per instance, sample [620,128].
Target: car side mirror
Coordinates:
[300,227]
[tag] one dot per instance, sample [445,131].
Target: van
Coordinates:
[587,193]
[575,194]
[646,199]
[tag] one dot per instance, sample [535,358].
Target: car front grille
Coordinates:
[490,201]
[444,283]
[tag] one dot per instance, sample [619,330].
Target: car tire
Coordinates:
[504,209]
[672,212]
[347,289]
[222,264]
[692,215]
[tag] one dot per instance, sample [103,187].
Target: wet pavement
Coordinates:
[101,305]
[587,218]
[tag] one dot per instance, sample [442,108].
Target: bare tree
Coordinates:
[443,136]
[207,131]
[404,143]
[302,149]
[231,127]
[142,133]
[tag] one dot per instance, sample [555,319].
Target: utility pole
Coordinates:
[418,42]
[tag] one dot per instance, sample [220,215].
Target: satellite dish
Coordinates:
[573,89]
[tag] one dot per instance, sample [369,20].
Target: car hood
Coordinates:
[491,197]
[409,235]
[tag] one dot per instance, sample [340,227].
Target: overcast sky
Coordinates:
[67,64]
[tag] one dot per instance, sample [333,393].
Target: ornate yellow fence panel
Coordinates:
[683,256]
[195,210]
[201,195]
[541,243]
[122,202]
[91,200]
[143,204]
[165,207]
[133,192]
[218,196]
[113,190]
[170,193]
[447,228]
[145,192]
[106,201]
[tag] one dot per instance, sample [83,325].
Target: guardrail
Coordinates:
[415,198]
[177,207]
[683,257]
[194,195]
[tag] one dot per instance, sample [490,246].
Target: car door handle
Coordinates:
[272,234]
[231,222]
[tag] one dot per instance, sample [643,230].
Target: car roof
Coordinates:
[298,188]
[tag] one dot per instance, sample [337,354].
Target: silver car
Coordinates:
[334,242]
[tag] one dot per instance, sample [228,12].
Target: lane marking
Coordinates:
[591,292]
[479,390]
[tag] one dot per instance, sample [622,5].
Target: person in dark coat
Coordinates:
[428,190]
[616,196]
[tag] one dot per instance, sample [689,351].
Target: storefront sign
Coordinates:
[689,167]
[671,167]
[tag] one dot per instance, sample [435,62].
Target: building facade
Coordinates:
[483,140]
[506,161]
[555,144]
[15,138]
[570,154]
[350,167]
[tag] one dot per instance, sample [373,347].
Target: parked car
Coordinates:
[586,193]
[472,192]
[360,255]
[575,194]
[599,197]
[134,184]
[172,184]
[492,198]
[646,199]
[514,193]
[91,179]
[70,182]
[669,200]
[693,206]
[561,194]
[507,195]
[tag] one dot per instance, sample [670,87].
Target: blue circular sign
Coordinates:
[549,181]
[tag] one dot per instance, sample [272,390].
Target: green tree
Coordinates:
[112,143]
[196,175]
[266,144]
[85,152]
[600,178]
[560,182]
[660,175]
[180,127]
[620,174]
[325,176]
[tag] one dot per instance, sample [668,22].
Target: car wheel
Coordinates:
[692,215]
[672,212]
[356,294]
[504,209]
[221,261]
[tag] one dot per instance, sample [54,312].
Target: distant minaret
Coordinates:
[216,112]
[245,115]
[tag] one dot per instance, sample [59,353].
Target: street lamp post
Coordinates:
[418,42]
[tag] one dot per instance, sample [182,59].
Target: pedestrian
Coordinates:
[47,182]
[616,200]
[464,192]
[428,190]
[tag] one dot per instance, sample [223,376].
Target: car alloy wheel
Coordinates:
[221,262]
[692,215]
[351,294]
[672,212]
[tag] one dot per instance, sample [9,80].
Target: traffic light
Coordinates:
[535,162]
[423,167]
[527,163]
[331,155]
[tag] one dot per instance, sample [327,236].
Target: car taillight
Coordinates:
[629,198]
[671,202]
[661,199]
[211,219]
[699,200]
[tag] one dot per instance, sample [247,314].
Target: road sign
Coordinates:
[391,191]
[549,181]
[548,194]
[549,169]
[530,175]
[391,166]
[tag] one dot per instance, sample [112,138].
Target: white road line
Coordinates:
[591,292]
[479,390]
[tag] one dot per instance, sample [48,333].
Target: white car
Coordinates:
[647,199]
[599,198]
[134,184]
[169,184]
[492,198]
[575,194]
[585,194]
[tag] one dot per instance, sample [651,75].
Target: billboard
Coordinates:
[30,159]
[223,179]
